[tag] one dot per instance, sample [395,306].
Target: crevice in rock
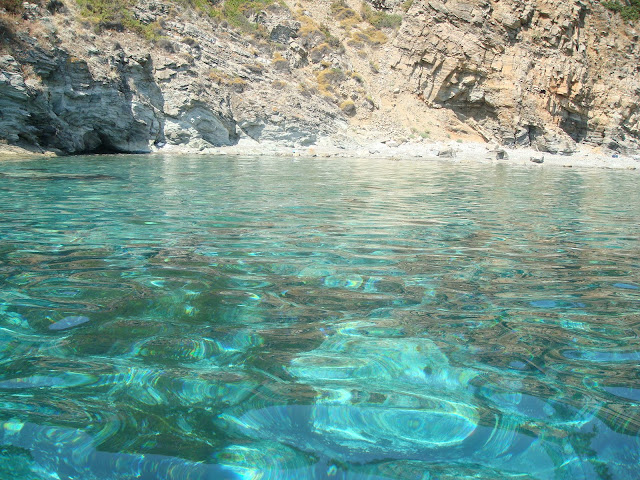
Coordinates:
[105,146]
[532,134]
[575,125]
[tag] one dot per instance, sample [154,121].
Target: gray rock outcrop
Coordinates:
[201,86]
[534,73]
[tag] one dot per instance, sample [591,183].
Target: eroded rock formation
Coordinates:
[537,73]
[541,73]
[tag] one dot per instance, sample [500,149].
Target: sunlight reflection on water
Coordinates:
[339,319]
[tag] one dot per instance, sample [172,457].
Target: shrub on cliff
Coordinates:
[347,17]
[236,12]
[116,15]
[629,11]
[7,31]
[330,77]
[370,36]
[380,19]
[348,107]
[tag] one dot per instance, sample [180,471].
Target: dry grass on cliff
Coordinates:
[380,19]
[11,6]
[10,24]
[7,32]
[117,14]
[234,12]
[371,36]
[13,9]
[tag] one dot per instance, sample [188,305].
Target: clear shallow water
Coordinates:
[213,318]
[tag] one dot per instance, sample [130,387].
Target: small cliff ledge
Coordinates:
[163,74]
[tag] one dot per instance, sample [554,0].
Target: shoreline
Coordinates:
[468,153]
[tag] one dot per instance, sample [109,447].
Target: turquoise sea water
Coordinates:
[186,318]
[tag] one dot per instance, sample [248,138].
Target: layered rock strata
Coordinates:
[535,73]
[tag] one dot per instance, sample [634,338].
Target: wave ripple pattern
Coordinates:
[191,318]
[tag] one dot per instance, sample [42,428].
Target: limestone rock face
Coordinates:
[532,73]
[538,73]
[201,86]
[14,102]
[69,110]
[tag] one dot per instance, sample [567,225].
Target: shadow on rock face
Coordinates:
[75,112]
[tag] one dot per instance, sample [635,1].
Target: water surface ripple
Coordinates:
[187,318]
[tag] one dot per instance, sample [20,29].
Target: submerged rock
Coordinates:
[364,433]
[427,402]
[69,322]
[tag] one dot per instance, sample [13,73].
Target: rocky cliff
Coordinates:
[539,73]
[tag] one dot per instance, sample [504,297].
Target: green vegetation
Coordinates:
[422,133]
[406,5]
[116,15]
[119,15]
[235,12]
[380,19]
[630,10]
